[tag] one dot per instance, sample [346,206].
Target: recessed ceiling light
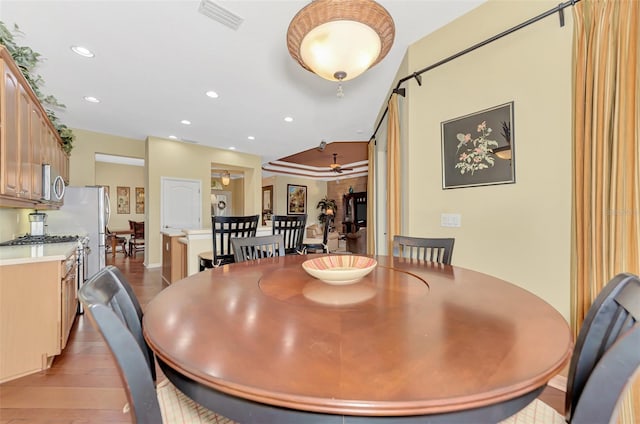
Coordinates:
[288,119]
[232,148]
[82,51]
[251,137]
[92,99]
[212,94]
[173,137]
[185,122]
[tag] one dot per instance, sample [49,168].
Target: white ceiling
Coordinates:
[155,59]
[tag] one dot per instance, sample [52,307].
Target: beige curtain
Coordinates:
[606,186]
[371,200]
[393,175]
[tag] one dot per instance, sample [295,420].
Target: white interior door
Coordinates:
[181,203]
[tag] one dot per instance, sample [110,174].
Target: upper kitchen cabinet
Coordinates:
[28,139]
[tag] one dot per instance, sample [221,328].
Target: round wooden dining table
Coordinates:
[413,341]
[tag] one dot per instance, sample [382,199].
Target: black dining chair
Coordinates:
[113,314]
[427,249]
[224,229]
[605,359]
[251,248]
[292,228]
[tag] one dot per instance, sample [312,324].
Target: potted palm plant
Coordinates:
[328,208]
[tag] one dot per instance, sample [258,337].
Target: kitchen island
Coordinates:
[196,241]
[38,305]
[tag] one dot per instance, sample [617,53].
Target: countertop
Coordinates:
[15,255]
[207,231]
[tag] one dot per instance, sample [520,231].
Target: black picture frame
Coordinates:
[296,199]
[478,149]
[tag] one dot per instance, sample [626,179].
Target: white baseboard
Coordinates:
[157,265]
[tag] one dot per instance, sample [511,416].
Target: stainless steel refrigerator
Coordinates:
[85,212]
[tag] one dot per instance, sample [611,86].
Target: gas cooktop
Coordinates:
[29,239]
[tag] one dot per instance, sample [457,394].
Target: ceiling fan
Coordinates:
[336,167]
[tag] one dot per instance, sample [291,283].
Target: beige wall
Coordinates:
[519,232]
[13,223]
[166,158]
[82,164]
[114,176]
[316,190]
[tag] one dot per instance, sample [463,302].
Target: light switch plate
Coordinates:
[450,220]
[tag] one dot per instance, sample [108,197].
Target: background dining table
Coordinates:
[414,341]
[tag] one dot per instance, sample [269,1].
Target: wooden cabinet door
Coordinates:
[166,258]
[10,149]
[24,130]
[69,299]
[38,128]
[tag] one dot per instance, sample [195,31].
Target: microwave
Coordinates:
[52,184]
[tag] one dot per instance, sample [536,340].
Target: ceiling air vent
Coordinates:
[220,14]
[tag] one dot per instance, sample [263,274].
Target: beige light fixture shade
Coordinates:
[225,177]
[340,39]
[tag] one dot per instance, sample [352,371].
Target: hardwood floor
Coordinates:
[83,385]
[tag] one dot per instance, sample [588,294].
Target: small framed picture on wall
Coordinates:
[139,199]
[122,198]
[296,199]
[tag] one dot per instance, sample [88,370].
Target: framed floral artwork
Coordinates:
[123,199]
[296,199]
[139,199]
[478,149]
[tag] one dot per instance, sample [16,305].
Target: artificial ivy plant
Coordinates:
[27,60]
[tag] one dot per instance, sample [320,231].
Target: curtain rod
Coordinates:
[418,74]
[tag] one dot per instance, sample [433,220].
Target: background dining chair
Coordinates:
[292,228]
[250,248]
[136,242]
[114,315]
[224,229]
[605,359]
[428,249]
[119,241]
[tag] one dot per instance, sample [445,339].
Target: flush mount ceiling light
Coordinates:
[340,39]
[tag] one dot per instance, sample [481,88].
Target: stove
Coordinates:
[28,239]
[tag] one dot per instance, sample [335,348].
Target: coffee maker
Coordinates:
[37,223]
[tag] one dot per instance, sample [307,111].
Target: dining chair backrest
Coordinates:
[251,248]
[227,227]
[606,353]
[605,358]
[324,247]
[114,315]
[427,249]
[138,230]
[292,228]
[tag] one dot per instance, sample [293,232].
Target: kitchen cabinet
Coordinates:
[27,140]
[38,304]
[174,258]
[10,151]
